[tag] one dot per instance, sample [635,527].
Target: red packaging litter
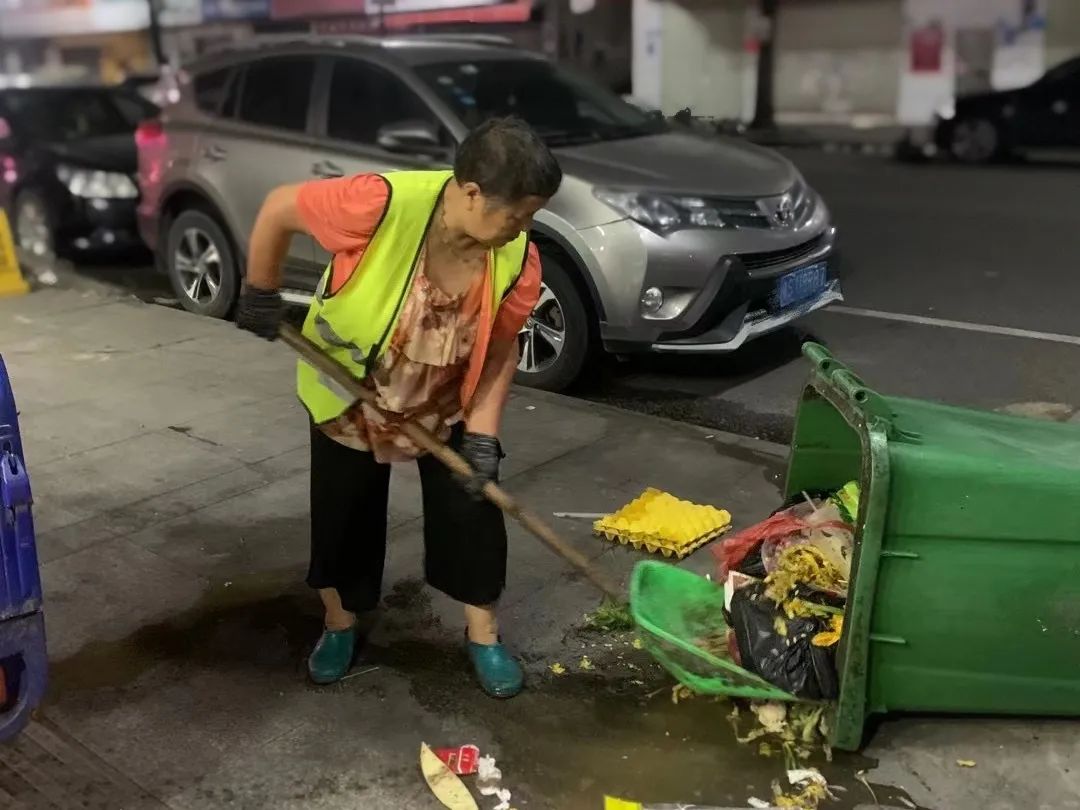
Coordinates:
[463,760]
[733,549]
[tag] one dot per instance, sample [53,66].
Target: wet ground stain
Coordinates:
[563,744]
[256,623]
[570,740]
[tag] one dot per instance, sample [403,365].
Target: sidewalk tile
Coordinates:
[134,517]
[81,486]
[108,591]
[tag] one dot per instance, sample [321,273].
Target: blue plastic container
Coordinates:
[23,661]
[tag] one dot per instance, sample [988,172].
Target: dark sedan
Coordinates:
[67,167]
[1043,115]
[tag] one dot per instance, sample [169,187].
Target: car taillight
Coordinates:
[152,145]
[149,133]
[9,169]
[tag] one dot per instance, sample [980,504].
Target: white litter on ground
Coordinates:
[503,795]
[47,277]
[488,778]
[799,775]
[487,770]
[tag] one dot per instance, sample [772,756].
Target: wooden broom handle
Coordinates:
[427,441]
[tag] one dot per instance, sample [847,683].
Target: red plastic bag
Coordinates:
[733,550]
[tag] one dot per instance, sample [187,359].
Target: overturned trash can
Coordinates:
[965,581]
[23,662]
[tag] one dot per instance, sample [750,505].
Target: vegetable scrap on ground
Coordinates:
[610,617]
[785,584]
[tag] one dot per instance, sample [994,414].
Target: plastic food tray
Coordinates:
[661,523]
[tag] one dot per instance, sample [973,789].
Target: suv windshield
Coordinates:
[68,115]
[563,108]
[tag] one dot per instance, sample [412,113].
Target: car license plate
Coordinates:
[800,285]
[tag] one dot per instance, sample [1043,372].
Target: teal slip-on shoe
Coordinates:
[332,657]
[499,674]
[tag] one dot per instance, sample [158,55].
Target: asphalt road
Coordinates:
[994,249]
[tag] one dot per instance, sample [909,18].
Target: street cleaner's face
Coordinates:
[494,222]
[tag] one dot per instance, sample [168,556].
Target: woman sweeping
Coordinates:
[432,279]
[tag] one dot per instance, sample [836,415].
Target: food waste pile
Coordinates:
[785,583]
[785,589]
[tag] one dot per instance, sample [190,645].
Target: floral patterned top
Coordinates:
[438,339]
[419,376]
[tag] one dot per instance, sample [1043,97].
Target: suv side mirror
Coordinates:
[410,138]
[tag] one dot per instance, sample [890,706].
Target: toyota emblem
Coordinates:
[785,211]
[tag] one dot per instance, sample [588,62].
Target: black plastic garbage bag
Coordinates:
[789,661]
[753,565]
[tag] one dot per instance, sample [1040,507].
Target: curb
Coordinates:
[721,437]
[835,147]
[851,147]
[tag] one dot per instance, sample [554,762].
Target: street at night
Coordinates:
[960,286]
[539,404]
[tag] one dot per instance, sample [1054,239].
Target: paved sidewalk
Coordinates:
[169,462]
[878,140]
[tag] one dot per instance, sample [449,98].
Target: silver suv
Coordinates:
[660,239]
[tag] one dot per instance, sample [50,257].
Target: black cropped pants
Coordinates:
[464,539]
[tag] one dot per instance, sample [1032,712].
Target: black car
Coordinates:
[67,167]
[1043,115]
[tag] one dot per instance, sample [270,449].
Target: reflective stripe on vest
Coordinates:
[331,338]
[353,325]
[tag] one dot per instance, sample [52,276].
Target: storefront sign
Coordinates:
[290,9]
[58,18]
[214,10]
[177,13]
[926,47]
[402,6]
[953,46]
[397,15]
[33,6]
[344,26]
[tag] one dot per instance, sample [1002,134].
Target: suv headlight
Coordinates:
[97,183]
[662,212]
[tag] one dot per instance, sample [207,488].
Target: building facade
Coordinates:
[109,39]
[839,61]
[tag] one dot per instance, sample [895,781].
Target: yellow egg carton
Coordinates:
[659,522]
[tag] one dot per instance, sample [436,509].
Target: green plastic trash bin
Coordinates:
[965,594]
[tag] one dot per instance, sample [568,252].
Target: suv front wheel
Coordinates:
[554,344]
[201,264]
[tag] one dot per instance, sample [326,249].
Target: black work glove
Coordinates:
[483,453]
[260,312]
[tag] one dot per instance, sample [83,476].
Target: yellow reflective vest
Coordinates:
[354,324]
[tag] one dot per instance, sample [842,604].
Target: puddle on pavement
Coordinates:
[260,622]
[568,741]
[563,744]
